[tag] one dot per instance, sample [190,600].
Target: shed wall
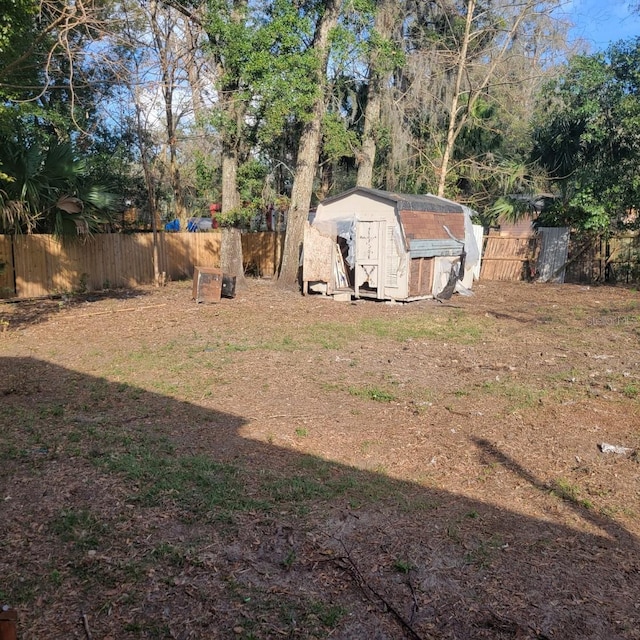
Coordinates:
[391,275]
[403,267]
[356,205]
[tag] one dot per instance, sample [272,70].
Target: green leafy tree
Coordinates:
[51,131]
[264,80]
[588,139]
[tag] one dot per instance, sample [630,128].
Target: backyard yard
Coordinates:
[280,466]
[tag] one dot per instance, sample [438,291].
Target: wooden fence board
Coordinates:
[622,259]
[30,260]
[615,259]
[40,265]
[7,282]
[262,251]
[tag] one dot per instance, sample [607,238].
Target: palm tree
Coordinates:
[49,190]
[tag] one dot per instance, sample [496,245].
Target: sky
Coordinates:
[600,22]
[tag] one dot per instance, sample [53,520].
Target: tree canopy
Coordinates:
[587,137]
[176,105]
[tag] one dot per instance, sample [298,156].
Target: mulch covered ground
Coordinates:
[285,466]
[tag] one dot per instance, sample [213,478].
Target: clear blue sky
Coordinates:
[600,22]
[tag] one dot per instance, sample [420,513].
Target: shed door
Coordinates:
[369,267]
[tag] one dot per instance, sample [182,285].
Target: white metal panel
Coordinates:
[478,232]
[553,254]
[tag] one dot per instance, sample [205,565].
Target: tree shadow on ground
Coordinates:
[129,514]
[18,314]
[490,454]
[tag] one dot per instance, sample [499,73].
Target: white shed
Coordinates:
[388,246]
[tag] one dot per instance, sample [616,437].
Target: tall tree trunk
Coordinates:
[231,255]
[383,26]
[233,110]
[193,70]
[151,194]
[458,116]
[308,153]
[163,42]
[453,110]
[371,123]
[180,208]
[326,178]
[231,240]
[230,195]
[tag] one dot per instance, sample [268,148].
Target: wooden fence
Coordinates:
[613,259]
[37,265]
[508,257]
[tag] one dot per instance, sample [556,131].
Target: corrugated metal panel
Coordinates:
[432,248]
[553,254]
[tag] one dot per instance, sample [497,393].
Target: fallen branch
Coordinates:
[367,589]
[85,623]
[101,313]
[414,606]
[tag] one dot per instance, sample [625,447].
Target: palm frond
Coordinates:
[50,188]
[510,209]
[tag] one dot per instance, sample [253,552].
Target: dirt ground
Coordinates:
[280,466]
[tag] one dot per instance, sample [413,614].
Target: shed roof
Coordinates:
[404,201]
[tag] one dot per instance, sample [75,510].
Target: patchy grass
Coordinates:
[516,395]
[458,327]
[566,490]
[402,565]
[482,552]
[193,483]
[82,528]
[372,393]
